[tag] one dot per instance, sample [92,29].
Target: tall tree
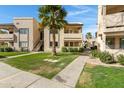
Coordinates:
[53,17]
[89,35]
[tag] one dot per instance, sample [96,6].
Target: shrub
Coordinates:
[64,49]
[120,59]
[106,57]
[1,49]
[95,53]
[71,49]
[81,49]
[75,49]
[8,49]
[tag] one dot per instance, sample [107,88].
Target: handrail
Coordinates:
[36,43]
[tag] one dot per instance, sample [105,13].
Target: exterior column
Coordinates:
[69,43]
[104,28]
[117,42]
[104,43]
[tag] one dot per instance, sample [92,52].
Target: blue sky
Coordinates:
[87,14]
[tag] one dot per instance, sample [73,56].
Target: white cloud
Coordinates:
[81,7]
[79,10]
[73,13]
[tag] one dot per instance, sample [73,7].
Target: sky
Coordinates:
[86,14]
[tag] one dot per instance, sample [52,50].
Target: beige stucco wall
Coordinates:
[101,28]
[36,32]
[48,38]
[61,37]
[115,32]
[26,22]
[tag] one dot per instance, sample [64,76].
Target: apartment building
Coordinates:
[69,36]
[22,34]
[110,35]
[25,33]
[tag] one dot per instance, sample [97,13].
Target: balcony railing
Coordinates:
[73,36]
[6,37]
[114,20]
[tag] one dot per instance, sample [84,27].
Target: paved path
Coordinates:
[69,76]
[24,54]
[11,77]
[2,59]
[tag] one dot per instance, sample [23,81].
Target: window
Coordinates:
[24,30]
[66,44]
[122,43]
[71,31]
[23,44]
[66,31]
[56,43]
[76,43]
[76,31]
[51,44]
[110,42]
[71,43]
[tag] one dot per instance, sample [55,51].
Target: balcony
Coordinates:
[73,36]
[6,37]
[114,20]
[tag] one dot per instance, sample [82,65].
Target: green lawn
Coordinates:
[35,63]
[101,77]
[6,54]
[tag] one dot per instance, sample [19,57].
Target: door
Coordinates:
[122,43]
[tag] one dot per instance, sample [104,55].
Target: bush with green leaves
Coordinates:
[106,57]
[70,49]
[75,49]
[64,49]
[6,49]
[95,53]
[1,49]
[81,49]
[120,59]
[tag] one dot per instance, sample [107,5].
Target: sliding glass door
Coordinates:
[122,43]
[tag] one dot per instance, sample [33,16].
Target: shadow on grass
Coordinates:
[2,56]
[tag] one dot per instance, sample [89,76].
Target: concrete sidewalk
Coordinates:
[24,54]
[2,59]
[69,76]
[11,77]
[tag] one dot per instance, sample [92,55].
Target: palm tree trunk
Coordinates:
[54,46]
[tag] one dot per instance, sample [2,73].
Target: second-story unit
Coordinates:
[22,34]
[69,36]
[110,35]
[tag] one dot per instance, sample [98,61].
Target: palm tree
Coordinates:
[89,35]
[53,16]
